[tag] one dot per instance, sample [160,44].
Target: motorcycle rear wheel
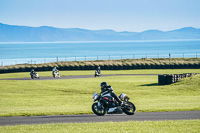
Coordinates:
[129,109]
[99,112]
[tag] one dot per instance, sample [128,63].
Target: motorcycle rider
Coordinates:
[32,72]
[54,70]
[105,88]
[98,70]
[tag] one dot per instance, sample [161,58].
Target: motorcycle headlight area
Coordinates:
[122,96]
[95,95]
[95,98]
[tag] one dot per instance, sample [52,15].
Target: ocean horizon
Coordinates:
[43,52]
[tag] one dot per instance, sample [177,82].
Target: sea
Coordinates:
[12,53]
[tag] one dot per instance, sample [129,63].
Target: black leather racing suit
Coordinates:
[98,70]
[109,89]
[32,72]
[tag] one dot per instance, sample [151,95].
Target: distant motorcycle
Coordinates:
[35,75]
[107,104]
[97,74]
[56,74]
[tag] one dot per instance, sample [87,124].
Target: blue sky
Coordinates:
[119,15]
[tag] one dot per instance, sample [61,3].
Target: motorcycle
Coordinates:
[35,75]
[56,74]
[97,74]
[107,104]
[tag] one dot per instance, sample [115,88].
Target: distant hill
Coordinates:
[13,33]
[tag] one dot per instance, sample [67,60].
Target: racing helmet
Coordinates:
[103,85]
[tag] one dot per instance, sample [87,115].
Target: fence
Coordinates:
[6,62]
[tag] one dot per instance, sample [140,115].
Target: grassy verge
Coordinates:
[181,126]
[124,64]
[91,72]
[147,61]
[74,96]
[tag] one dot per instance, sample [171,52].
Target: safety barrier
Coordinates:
[166,79]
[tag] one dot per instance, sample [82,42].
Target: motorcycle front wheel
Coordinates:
[129,108]
[100,111]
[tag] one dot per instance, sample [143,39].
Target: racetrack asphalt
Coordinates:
[79,76]
[145,116]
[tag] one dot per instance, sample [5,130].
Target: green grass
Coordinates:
[91,72]
[74,96]
[180,126]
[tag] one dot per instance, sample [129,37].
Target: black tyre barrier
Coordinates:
[106,67]
[148,66]
[162,79]
[120,67]
[111,67]
[116,67]
[71,67]
[167,79]
[66,67]
[102,67]
[77,67]
[129,66]
[134,66]
[152,66]
[143,66]
[157,66]
[92,67]
[82,67]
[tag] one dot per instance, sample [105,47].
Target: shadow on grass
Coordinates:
[153,84]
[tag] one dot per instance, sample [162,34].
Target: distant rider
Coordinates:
[98,70]
[54,70]
[32,72]
[105,89]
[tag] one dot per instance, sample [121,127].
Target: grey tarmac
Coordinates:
[79,76]
[145,116]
